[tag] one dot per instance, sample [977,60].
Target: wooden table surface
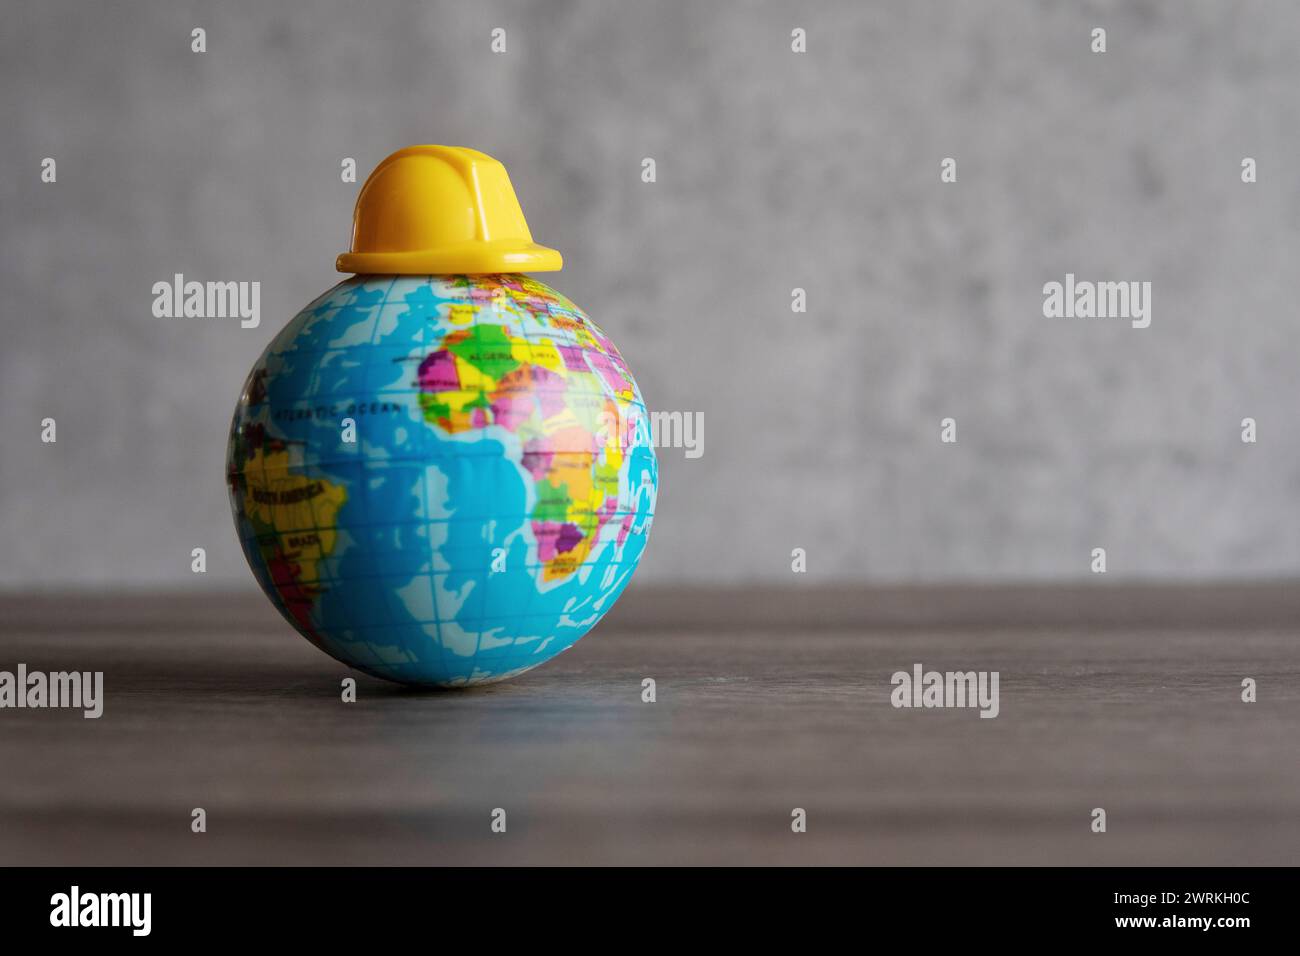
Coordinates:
[212,702]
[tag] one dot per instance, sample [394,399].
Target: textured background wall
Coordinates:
[775,170]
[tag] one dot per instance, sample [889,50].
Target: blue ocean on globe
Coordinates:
[442,480]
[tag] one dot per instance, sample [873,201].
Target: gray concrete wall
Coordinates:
[775,170]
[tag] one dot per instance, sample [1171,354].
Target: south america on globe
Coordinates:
[441,470]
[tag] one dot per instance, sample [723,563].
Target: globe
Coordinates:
[442,480]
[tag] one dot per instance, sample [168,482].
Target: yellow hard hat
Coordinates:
[429,210]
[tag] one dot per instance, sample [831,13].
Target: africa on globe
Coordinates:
[441,470]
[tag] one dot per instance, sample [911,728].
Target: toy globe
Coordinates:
[441,470]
